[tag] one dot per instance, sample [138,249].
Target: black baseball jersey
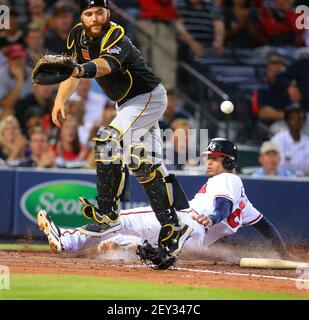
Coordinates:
[130,75]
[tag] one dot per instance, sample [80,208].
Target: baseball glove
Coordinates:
[157,258]
[52,69]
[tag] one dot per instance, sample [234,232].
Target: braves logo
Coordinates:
[114,49]
[212,146]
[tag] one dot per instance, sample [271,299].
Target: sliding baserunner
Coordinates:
[219,209]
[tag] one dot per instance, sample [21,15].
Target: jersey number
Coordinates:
[234,218]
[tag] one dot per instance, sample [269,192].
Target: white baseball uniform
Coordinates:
[141,223]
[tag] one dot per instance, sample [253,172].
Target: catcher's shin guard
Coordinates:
[110,171]
[158,188]
[102,225]
[173,238]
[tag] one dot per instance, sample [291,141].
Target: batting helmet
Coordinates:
[86,4]
[224,148]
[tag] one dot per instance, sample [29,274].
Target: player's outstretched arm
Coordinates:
[270,232]
[223,208]
[65,91]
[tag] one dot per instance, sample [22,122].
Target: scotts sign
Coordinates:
[60,200]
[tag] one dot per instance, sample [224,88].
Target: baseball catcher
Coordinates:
[99,49]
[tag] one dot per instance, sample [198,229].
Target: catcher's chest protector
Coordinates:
[130,75]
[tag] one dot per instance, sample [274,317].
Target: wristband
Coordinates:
[213,218]
[87,70]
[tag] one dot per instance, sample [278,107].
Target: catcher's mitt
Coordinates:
[157,258]
[52,69]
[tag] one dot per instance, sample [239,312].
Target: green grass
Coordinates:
[87,287]
[23,246]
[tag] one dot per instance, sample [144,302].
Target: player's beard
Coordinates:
[104,27]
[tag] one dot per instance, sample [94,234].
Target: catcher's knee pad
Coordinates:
[108,145]
[110,169]
[142,167]
[158,190]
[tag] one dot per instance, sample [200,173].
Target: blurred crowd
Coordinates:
[203,33]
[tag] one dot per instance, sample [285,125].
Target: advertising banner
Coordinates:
[26,191]
[58,194]
[7,201]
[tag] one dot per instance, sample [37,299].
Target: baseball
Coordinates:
[227,107]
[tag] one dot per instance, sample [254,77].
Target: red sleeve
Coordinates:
[270,25]
[255,102]
[291,17]
[273,27]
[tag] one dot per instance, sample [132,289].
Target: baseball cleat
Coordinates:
[173,238]
[96,229]
[52,232]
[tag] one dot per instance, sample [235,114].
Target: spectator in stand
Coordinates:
[131,8]
[76,108]
[68,147]
[33,118]
[94,102]
[157,18]
[14,34]
[293,145]
[108,116]
[37,14]
[12,142]
[269,159]
[274,97]
[19,6]
[295,94]
[204,21]
[40,153]
[61,24]
[160,21]
[35,45]
[42,97]
[242,25]
[174,110]
[296,101]
[15,79]
[278,23]
[177,149]
[297,71]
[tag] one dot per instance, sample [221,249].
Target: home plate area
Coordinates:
[212,272]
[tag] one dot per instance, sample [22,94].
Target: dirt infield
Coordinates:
[210,273]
